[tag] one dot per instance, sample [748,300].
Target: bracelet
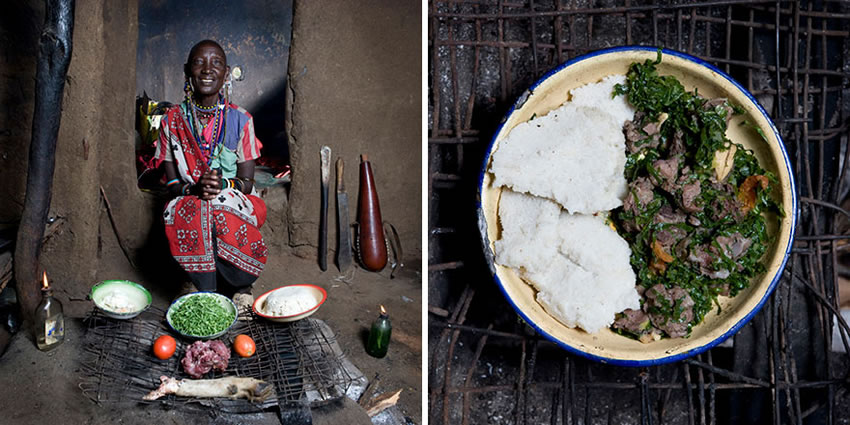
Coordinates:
[172,182]
[185,189]
[232,184]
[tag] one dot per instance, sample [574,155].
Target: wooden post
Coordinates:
[54,56]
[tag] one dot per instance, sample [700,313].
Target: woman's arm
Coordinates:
[245,173]
[175,189]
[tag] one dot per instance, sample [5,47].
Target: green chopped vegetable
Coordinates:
[201,315]
[703,129]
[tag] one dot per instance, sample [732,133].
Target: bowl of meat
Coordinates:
[120,299]
[290,303]
[636,206]
[201,315]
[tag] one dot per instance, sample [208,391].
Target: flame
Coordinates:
[383,310]
[44,279]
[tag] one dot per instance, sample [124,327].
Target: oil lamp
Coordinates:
[49,319]
[379,336]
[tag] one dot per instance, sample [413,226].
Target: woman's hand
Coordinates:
[209,185]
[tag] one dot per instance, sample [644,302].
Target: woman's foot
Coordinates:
[243,300]
[186,288]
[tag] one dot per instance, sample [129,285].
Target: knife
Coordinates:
[323,218]
[343,250]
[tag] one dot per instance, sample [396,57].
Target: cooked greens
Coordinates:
[695,231]
[201,315]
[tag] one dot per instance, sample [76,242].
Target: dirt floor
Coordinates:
[43,387]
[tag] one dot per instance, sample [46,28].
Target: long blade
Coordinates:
[343,251]
[323,218]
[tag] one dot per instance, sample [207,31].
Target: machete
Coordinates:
[343,250]
[323,218]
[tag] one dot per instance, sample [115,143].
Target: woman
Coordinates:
[208,149]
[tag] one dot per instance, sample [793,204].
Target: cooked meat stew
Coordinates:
[697,227]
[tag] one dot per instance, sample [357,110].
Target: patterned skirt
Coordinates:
[220,237]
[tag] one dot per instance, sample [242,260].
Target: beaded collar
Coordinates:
[207,140]
[206,109]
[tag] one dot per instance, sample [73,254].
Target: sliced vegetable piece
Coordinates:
[724,161]
[747,191]
[658,250]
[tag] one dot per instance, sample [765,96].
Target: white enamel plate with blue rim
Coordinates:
[606,346]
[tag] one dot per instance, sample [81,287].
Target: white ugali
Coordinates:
[598,95]
[574,155]
[579,265]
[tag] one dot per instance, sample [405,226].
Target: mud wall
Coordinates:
[95,146]
[354,76]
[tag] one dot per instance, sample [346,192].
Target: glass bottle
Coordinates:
[379,336]
[49,320]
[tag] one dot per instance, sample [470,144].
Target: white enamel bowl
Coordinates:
[306,291]
[607,346]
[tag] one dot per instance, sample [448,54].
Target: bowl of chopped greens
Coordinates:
[201,315]
[703,221]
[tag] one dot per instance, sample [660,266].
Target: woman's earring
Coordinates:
[187,88]
[227,88]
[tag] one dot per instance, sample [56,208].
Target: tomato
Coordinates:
[164,347]
[244,346]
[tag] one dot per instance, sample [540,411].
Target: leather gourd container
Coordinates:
[372,248]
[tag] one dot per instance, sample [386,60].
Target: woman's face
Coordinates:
[207,69]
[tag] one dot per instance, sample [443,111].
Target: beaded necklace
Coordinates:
[219,112]
[204,109]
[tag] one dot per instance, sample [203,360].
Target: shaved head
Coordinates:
[206,70]
[203,43]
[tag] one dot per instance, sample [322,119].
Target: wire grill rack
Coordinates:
[301,359]
[486,366]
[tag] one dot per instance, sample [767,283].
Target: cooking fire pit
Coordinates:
[301,359]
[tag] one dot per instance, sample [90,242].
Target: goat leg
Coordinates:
[231,387]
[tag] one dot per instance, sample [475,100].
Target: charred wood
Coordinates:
[54,56]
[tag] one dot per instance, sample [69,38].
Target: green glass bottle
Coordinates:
[379,336]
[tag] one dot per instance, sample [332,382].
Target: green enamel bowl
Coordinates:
[120,299]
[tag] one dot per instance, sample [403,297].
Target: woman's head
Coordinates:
[206,68]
